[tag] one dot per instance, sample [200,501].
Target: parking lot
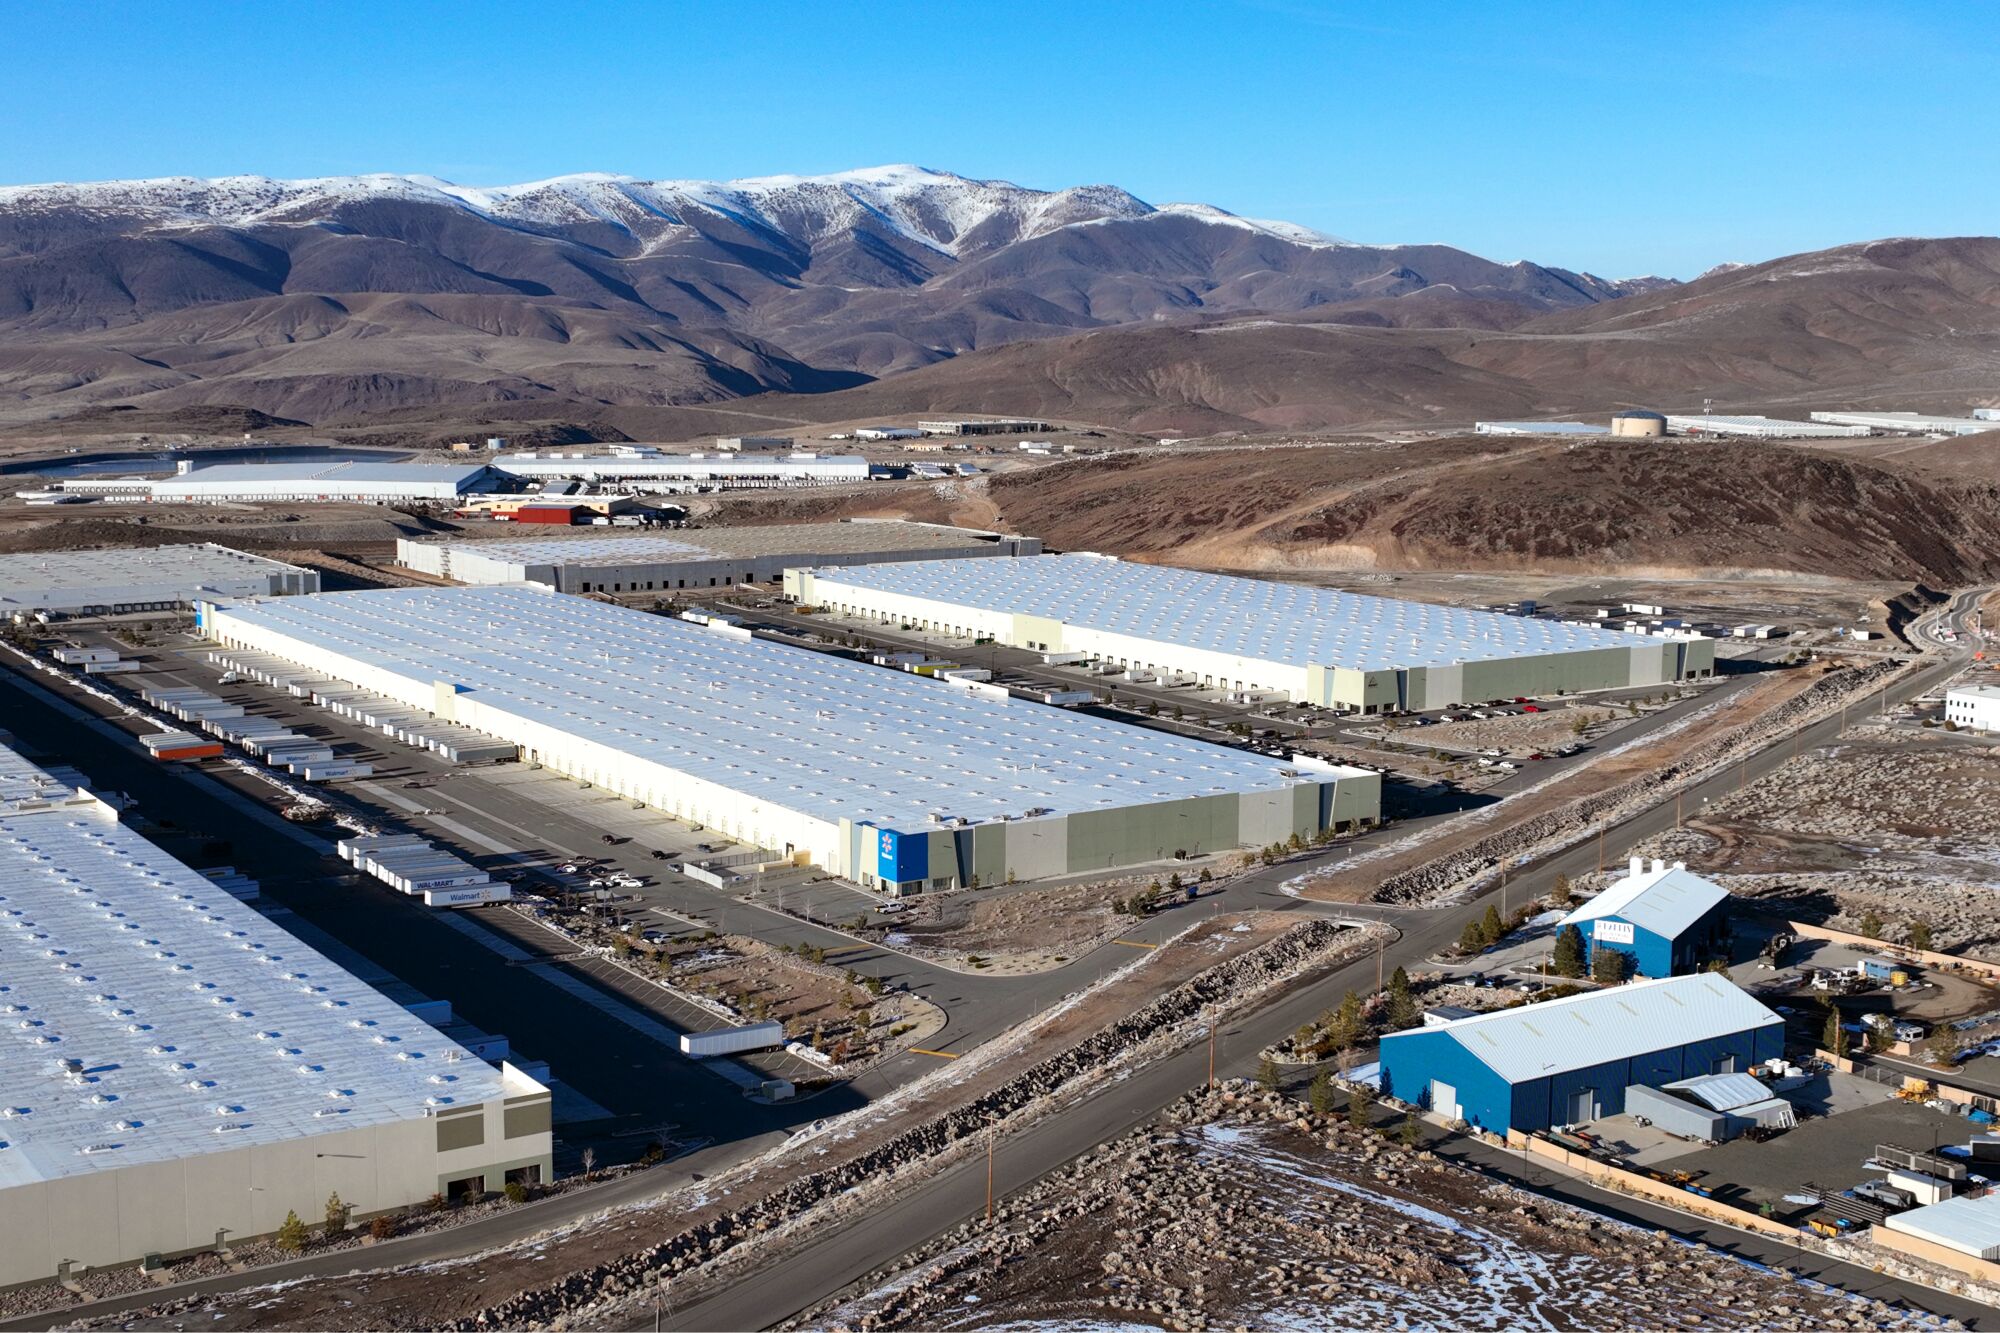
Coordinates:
[1824,1150]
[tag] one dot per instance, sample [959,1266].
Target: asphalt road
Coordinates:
[955,1195]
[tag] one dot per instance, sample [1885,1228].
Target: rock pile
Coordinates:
[589,1298]
[1244,1209]
[1437,878]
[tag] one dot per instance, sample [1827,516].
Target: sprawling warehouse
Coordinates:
[892,779]
[297,483]
[1906,423]
[730,469]
[1312,645]
[1761,428]
[109,580]
[176,1070]
[698,558]
[1569,1061]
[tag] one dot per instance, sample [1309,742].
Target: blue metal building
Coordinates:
[1665,918]
[1568,1061]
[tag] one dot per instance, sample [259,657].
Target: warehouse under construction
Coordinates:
[698,557]
[1310,645]
[898,781]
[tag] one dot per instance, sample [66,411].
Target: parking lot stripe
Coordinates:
[942,1055]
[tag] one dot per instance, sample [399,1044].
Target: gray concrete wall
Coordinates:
[117,1216]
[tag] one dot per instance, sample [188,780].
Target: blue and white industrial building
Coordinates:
[1217,631]
[1569,1061]
[1666,919]
[897,780]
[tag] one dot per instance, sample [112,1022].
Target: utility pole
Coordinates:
[1381,946]
[1503,896]
[1677,807]
[1211,1048]
[1600,849]
[992,1132]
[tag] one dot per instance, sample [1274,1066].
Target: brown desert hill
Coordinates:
[1910,324]
[336,297]
[1534,506]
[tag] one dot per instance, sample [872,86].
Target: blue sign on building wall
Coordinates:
[901,858]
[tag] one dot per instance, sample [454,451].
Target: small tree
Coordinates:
[589,1163]
[1357,1108]
[1411,1131]
[1491,926]
[516,1192]
[1267,1074]
[1871,925]
[1609,967]
[1567,960]
[1402,1008]
[336,1214]
[382,1228]
[1834,1037]
[292,1235]
[1472,939]
[1347,1027]
[1320,1094]
[1206,876]
[1920,935]
[1942,1048]
[1561,894]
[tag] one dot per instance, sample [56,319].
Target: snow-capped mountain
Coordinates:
[354,292]
[936,209]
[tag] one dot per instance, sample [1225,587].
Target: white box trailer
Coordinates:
[332,772]
[733,1041]
[467,897]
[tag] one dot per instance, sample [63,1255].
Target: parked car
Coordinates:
[1531,708]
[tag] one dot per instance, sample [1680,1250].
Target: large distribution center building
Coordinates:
[1665,919]
[732,469]
[1569,1061]
[295,483]
[175,1070]
[1312,645]
[1906,423]
[893,779]
[116,579]
[698,558]
[1761,428]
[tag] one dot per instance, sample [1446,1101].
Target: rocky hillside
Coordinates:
[1476,503]
[1901,324]
[332,298]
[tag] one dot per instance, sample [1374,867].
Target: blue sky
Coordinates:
[1621,138]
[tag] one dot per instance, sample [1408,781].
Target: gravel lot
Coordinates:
[1245,1211]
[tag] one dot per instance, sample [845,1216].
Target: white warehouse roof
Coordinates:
[195,1025]
[1539,428]
[848,467]
[119,575]
[1760,427]
[1665,900]
[1969,1224]
[341,473]
[1598,1027]
[802,730]
[1912,422]
[1250,618]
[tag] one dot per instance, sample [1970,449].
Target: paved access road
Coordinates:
[953,1196]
